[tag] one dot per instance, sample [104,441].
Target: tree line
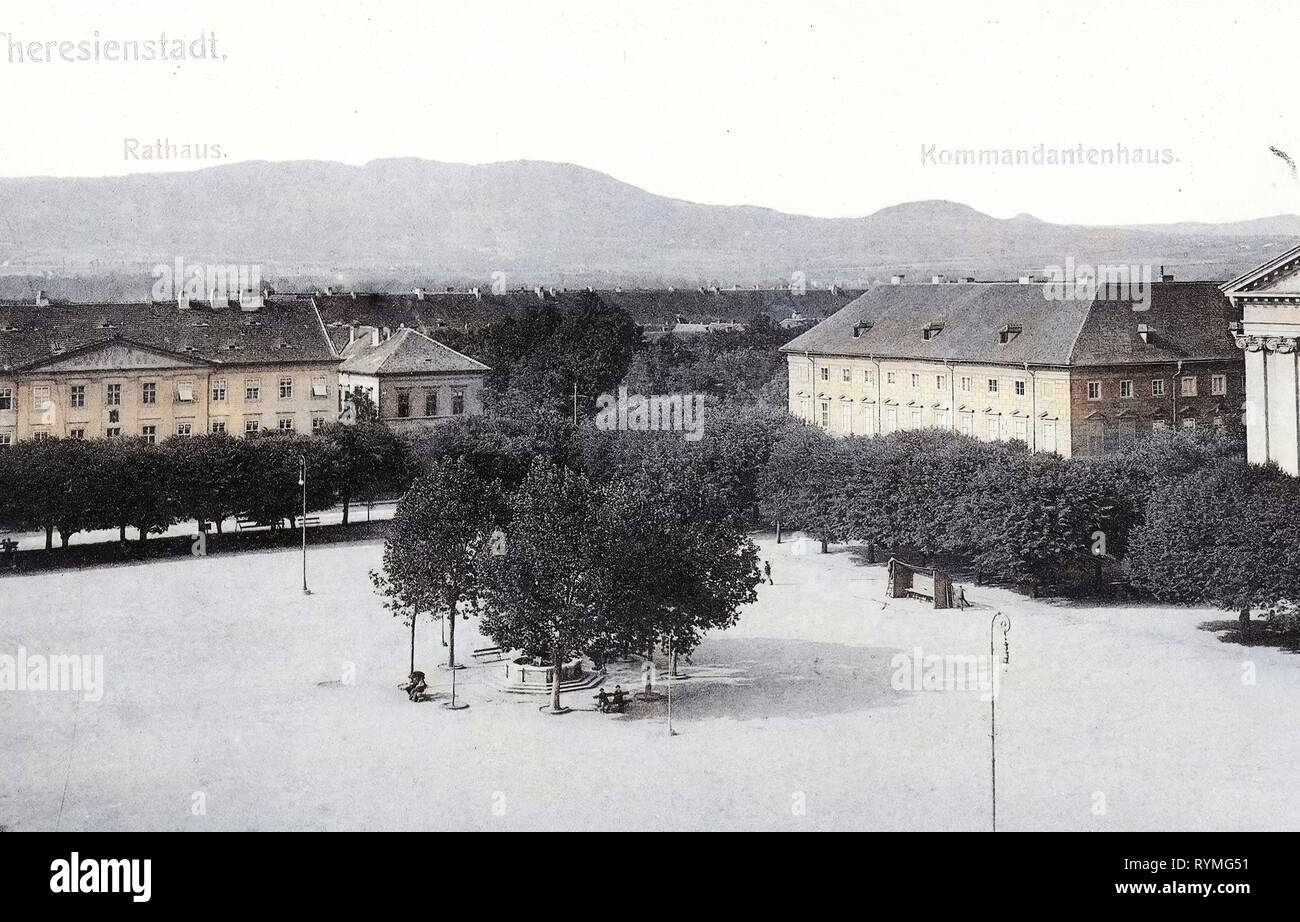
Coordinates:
[64,486]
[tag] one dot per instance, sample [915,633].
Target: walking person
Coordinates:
[767,572]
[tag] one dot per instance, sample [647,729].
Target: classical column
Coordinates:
[1272,400]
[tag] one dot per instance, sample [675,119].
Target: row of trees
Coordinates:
[72,485]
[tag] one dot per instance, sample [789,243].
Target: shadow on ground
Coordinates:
[1254,636]
[751,678]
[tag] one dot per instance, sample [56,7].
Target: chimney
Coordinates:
[419,294]
[374,337]
[41,300]
[386,333]
[352,333]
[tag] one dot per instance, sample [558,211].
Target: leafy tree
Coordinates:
[1226,535]
[372,460]
[548,595]
[435,552]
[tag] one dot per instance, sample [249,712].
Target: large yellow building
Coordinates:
[1007,361]
[159,369]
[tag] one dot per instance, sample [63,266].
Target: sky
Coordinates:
[825,108]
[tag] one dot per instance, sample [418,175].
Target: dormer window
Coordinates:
[860,328]
[930,331]
[1144,331]
[1008,333]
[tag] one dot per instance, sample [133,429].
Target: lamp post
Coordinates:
[1002,621]
[302,482]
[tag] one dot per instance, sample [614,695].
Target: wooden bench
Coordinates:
[311,520]
[250,525]
[489,654]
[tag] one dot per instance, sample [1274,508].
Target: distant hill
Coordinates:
[394,220]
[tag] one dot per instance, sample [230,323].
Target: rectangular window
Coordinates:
[965,385]
[150,433]
[1189,424]
[317,424]
[967,424]
[457,402]
[40,398]
[252,390]
[148,393]
[867,376]
[826,374]
[430,403]
[890,377]
[6,438]
[940,382]
[285,424]
[184,429]
[1021,428]
[286,388]
[891,419]
[1094,390]
[218,390]
[112,432]
[1187,386]
[846,416]
[218,427]
[40,436]
[1218,385]
[941,418]
[1158,387]
[993,385]
[6,398]
[1126,388]
[112,395]
[994,429]
[403,404]
[77,396]
[916,380]
[77,434]
[319,388]
[916,419]
[185,392]
[1019,387]
[846,374]
[252,426]
[826,414]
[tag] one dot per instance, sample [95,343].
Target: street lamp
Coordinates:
[302,482]
[999,621]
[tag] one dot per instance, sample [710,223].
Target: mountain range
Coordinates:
[391,221]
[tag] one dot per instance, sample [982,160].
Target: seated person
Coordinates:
[416,687]
[618,697]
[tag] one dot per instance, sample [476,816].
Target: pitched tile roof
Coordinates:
[282,331]
[1186,319]
[406,352]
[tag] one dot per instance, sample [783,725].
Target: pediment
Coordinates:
[117,355]
[1280,276]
